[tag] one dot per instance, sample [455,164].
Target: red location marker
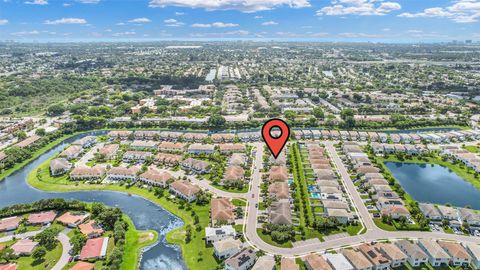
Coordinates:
[275,144]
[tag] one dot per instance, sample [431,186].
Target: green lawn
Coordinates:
[472,148]
[268,239]
[51,258]
[196,254]
[383,226]
[239,202]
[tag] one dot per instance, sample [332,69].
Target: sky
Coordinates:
[310,20]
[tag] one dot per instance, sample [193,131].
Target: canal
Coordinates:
[436,184]
[145,215]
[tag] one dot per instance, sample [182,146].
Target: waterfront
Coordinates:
[144,214]
[434,184]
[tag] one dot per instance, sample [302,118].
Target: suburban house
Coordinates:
[222,211]
[41,218]
[9,266]
[120,134]
[416,256]
[197,148]
[109,151]
[225,137]
[217,234]
[195,165]
[95,248]
[279,190]
[237,159]
[86,142]
[28,141]
[136,156]
[233,174]
[430,211]
[393,253]
[474,252]
[357,259]
[59,166]
[242,260]
[316,262]
[87,173]
[72,152]
[338,261]
[379,261]
[278,174]
[265,263]
[342,215]
[24,247]
[458,254]
[436,255]
[143,145]
[280,212]
[123,173]
[469,216]
[227,247]
[91,229]
[9,223]
[171,147]
[73,219]
[288,264]
[232,147]
[83,266]
[447,212]
[185,190]
[167,159]
[155,177]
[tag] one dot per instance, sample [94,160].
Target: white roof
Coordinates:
[226,230]
[338,261]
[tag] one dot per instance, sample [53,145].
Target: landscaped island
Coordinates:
[60,234]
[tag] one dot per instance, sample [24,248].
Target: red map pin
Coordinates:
[275,143]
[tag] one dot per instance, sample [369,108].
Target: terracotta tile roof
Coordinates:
[8,266]
[9,222]
[94,248]
[71,151]
[24,246]
[317,262]
[222,210]
[185,187]
[83,266]
[356,258]
[156,175]
[109,149]
[279,189]
[455,250]
[232,147]
[288,264]
[392,252]
[73,218]
[42,217]
[28,141]
[131,171]
[90,227]
[168,158]
[234,173]
[97,170]
[227,244]
[278,173]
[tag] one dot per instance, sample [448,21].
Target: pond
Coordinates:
[144,214]
[435,184]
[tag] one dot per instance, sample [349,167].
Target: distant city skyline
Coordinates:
[289,20]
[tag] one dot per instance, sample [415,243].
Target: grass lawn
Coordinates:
[135,241]
[268,239]
[472,148]
[233,190]
[383,226]
[51,258]
[239,202]
[196,254]
[353,229]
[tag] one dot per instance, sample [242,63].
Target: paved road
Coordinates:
[373,233]
[63,238]
[20,236]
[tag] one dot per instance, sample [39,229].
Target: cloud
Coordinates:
[269,23]
[258,17]
[121,23]
[359,35]
[215,24]
[66,4]
[3,21]
[37,2]
[223,34]
[242,5]
[173,23]
[67,21]
[140,20]
[179,13]
[461,11]
[25,33]
[359,7]
[123,34]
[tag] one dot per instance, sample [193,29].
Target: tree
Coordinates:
[47,238]
[40,132]
[97,208]
[216,121]
[318,113]
[348,112]
[77,241]
[39,253]
[7,254]
[21,135]
[55,109]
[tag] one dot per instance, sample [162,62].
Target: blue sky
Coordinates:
[322,20]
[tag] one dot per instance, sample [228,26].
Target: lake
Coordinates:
[144,214]
[435,184]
